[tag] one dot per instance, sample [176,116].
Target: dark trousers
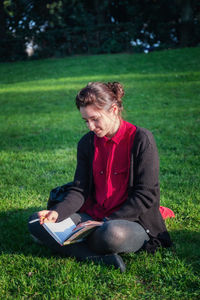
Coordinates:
[115,236]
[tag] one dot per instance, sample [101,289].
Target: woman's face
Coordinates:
[100,121]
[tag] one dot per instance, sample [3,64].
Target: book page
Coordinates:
[61,230]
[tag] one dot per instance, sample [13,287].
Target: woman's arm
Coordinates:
[145,192]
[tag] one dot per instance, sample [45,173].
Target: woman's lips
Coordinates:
[97,132]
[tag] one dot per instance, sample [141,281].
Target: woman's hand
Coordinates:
[88,223]
[47,216]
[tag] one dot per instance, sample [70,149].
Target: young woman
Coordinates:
[115,184]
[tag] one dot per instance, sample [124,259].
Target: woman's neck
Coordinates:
[115,128]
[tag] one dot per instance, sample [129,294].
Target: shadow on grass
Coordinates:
[101,65]
[63,82]
[15,237]
[40,140]
[186,247]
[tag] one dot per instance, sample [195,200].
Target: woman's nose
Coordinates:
[91,125]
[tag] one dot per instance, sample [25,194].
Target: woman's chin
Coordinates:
[99,133]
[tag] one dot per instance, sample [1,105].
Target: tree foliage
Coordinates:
[65,27]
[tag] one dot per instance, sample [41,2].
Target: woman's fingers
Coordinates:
[42,215]
[89,222]
[52,216]
[47,216]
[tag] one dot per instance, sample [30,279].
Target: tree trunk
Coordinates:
[100,11]
[186,23]
[2,21]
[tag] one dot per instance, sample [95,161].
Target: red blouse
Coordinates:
[111,172]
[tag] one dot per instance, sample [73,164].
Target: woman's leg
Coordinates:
[40,234]
[118,236]
[79,250]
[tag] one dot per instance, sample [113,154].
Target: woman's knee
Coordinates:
[113,231]
[118,236]
[108,237]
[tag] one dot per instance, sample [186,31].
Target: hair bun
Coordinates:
[117,89]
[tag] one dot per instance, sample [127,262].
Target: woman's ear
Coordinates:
[115,109]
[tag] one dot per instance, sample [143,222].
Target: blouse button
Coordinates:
[101,172]
[115,173]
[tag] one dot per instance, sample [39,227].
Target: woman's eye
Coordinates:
[93,120]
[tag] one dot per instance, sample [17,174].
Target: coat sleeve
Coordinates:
[145,191]
[79,190]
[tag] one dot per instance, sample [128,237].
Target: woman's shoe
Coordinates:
[109,259]
[115,260]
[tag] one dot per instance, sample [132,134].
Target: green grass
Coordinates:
[40,128]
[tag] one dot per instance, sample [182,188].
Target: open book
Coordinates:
[64,233]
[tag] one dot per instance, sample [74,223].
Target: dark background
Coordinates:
[67,27]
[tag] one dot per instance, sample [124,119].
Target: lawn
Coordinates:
[40,127]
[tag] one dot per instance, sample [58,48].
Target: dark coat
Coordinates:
[143,202]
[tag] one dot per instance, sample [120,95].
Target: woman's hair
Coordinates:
[103,95]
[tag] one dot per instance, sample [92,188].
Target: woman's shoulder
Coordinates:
[143,133]
[143,138]
[140,132]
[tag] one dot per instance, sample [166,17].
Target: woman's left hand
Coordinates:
[89,222]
